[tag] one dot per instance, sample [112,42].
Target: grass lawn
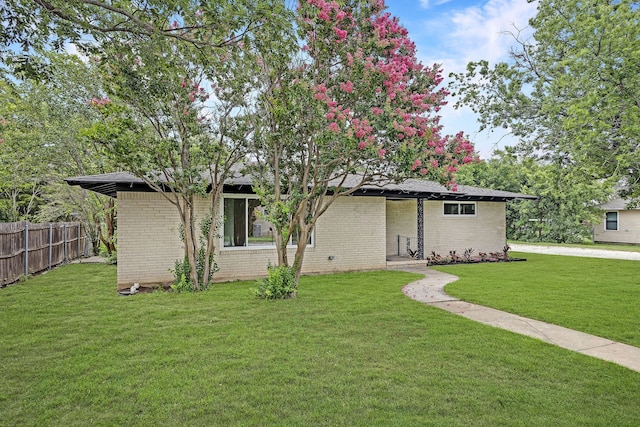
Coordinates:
[597,296]
[351,349]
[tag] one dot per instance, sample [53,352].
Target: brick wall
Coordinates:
[402,218]
[352,231]
[484,232]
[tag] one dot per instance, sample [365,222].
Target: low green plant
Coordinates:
[182,270]
[279,284]
[111,258]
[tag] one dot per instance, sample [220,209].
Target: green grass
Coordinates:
[351,349]
[605,246]
[597,296]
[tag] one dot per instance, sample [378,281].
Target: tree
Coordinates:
[565,210]
[160,120]
[178,116]
[42,120]
[39,24]
[570,93]
[349,105]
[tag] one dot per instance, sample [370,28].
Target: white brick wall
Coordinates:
[402,219]
[484,232]
[352,231]
[358,232]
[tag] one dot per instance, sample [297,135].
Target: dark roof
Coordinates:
[111,183]
[617,205]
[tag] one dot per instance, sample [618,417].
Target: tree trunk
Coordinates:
[190,249]
[216,195]
[305,231]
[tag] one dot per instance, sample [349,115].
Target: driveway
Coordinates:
[583,252]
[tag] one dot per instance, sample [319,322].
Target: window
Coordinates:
[611,221]
[244,225]
[459,208]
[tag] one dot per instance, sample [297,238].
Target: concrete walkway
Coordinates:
[430,290]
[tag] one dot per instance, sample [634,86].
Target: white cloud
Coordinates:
[482,32]
[426,3]
[462,35]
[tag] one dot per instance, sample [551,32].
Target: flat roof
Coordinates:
[112,183]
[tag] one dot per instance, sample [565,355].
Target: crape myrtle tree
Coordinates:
[570,92]
[178,121]
[175,106]
[349,106]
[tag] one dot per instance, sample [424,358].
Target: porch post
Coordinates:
[420,202]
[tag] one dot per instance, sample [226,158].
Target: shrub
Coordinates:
[279,284]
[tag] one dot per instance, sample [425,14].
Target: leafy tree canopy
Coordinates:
[570,93]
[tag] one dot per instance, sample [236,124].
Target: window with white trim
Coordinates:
[245,227]
[459,208]
[611,221]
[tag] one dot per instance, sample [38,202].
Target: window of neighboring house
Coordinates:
[244,225]
[451,208]
[611,221]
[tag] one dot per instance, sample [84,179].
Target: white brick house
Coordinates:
[620,224]
[358,232]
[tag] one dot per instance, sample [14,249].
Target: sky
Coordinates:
[455,32]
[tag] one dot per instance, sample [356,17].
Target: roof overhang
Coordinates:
[112,183]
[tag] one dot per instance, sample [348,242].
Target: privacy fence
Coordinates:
[27,248]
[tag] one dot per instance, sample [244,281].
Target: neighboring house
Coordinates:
[619,224]
[358,232]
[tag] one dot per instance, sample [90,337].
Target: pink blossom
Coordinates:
[416,164]
[400,136]
[423,171]
[362,145]
[341,34]
[333,127]
[329,116]
[382,152]
[377,111]
[347,86]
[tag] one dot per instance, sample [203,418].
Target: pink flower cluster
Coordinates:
[401,94]
[99,102]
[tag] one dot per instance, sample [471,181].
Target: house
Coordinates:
[620,224]
[358,232]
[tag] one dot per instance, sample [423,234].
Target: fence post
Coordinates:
[26,248]
[64,242]
[78,241]
[50,244]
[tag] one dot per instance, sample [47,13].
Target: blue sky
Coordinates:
[455,32]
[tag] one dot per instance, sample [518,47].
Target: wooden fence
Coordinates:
[27,248]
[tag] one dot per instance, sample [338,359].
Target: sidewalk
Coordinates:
[430,290]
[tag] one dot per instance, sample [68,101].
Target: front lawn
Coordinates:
[351,349]
[593,295]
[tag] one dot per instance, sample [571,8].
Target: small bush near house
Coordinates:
[279,284]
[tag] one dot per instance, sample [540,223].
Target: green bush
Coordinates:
[279,284]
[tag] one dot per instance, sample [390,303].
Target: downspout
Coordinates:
[420,202]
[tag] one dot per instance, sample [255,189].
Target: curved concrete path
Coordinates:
[430,290]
